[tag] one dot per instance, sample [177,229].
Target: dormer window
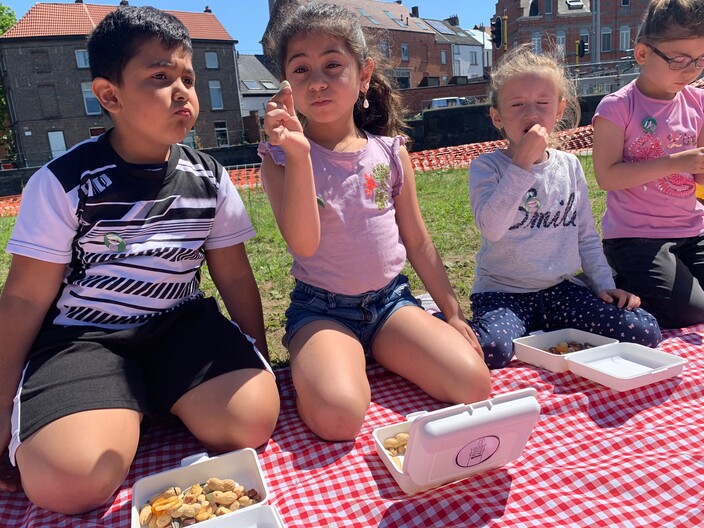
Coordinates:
[574,4]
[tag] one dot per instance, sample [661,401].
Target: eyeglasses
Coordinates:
[680,62]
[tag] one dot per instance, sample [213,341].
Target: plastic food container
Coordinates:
[625,366]
[242,466]
[454,443]
[533,349]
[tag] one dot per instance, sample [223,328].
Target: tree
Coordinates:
[7,20]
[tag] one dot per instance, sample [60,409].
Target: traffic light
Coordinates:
[583,47]
[497,32]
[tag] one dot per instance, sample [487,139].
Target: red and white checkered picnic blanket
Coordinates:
[596,457]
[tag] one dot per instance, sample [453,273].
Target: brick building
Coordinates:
[608,28]
[436,58]
[45,71]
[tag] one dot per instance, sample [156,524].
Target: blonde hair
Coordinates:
[384,116]
[672,20]
[521,61]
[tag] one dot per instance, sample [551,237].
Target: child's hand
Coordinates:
[690,161]
[622,297]
[281,122]
[531,148]
[466,331]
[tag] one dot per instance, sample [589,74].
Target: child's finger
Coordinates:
[288,95]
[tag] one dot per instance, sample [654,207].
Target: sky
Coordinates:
[245,20]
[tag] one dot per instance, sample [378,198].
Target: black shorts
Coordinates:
[147,368]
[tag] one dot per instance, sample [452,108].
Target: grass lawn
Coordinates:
[444,202]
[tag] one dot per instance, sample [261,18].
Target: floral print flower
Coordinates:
[376,184]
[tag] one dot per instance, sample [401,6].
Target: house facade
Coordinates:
[45,72]
[608,28]
[426,58]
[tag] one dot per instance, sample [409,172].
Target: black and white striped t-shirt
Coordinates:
[133,237]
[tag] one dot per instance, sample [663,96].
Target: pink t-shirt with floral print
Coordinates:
[360,246]
[667,207]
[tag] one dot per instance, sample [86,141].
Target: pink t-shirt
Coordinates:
[360,246]
[664,208]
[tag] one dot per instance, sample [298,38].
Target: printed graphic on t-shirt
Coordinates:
[649,146]
[141,237]
[532,217]
[376,185]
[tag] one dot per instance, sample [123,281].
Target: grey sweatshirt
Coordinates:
[537,226]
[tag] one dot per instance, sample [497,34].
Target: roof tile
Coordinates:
[60,20]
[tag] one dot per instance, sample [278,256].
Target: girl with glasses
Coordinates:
[649,155]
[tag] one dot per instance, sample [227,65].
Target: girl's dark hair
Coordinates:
[116,40]
[672,20]
[385,113]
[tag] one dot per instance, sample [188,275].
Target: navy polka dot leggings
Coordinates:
[501,317]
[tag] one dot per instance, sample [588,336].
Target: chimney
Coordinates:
[454,20]
[207,9]
[124,3]
[414,12]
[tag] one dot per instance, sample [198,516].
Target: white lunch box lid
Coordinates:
[625,366]
[453,443]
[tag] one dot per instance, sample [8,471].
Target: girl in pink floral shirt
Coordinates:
[343,194]
[648,155]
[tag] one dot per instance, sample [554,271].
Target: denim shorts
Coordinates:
[363,315]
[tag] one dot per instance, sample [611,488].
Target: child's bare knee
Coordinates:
[78,491]
[335,423]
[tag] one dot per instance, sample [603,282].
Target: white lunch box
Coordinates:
[454,443]
[242,466]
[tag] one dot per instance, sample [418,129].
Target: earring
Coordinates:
[365,103]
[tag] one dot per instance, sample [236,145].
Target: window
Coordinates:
[624,40]
[211,60]
[367,16]
[560,42]
[190,138]
[221,137]
[215,95]
[606,39]
[385,48]
[473,58]
[48,101]
[405,56]
[625,3]
[252,85]
[399,21]
[96,131]
[40,61]
[403,77]
[443,57]
[270,85]
[57,144]
[90,102]
[534,10]
[82,59]
[548,7]
[537,42]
